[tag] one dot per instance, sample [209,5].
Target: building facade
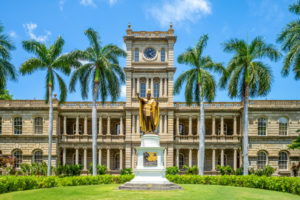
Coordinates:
[149,65]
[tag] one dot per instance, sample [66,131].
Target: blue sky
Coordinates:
[45,20]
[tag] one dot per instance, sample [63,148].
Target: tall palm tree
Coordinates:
[7,70]
[290,39]
[104,72]
[247,76]
[50,60]
[199,84]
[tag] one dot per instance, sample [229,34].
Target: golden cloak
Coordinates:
[155,114]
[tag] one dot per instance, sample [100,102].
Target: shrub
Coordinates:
[68,170]
[39,169]
[172,170]
[266,171]
[190,170]
[282,184]
[101,169]
[126,171]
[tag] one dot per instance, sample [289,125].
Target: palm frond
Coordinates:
[56,49]
[181,79]
[31,65]
[295,8]
[94,40]
[62,88]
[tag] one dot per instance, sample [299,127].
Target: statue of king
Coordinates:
[149,113]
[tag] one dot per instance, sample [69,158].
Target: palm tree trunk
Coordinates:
[245,131]
[50,131]
[94,128]
[201,135]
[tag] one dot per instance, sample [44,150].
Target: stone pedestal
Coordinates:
[150,171]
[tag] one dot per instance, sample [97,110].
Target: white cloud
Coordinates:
[88,3]
[13,34]
[61,5]
[123,91]
[180,10]
[30,27]
[112,2]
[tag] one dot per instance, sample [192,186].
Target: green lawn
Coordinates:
[108,192]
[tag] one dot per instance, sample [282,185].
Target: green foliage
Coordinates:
[266,171]
[172,170]
[19,183]
[68,170]
[295,143]
[126,171]
[4,95]
[238,171]
[101,169]
[282,184]
[225,170]
[191,170]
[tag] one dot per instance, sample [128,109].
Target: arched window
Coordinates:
[136,55]
[225,159]
[117,161]
[17,154]
[0,125]
[18,125]
[163,55]
[117,129]
[283,126]
[181,161]
[262,126]
[38,125]
[219,129]
[74,129]
[143,89]
[261,160]
[283,160]
[79,159]
[38,156]
[156,89]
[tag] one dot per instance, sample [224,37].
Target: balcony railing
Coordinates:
[209,138]
[88,138]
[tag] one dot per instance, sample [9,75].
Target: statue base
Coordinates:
[150,170]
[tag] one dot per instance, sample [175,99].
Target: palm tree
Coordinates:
[7,70]
[50,60]
[290,39]
[199,84]
[247,76]
[104,72]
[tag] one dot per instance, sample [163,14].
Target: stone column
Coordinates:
[177,125]
[138,124]
[121,159]
[100,125]
[160,124]
[138,85]
[165,157]
[100,156]
[160,87]
[222,125]
[177,157]
[108,125]
[190,157]
[234,125]
[133,87]
[213,125]
[147,84]
[165,90]
[77,125]
[133,124]
[222,157]
[76,156]
[121,126]
[190,125]
[166,124]
[64,155]
[151,87]
[108,159]
[85,159]
[241,158]
[132,158]
[65,125]
[213,160]
[234,159]
[198,125]
[85,125]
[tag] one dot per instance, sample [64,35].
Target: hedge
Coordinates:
[19,183]
[282,184]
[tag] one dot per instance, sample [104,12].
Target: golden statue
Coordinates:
[149,113]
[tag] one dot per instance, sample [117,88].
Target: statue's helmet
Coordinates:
[148,91]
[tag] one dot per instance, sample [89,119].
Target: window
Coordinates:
[261,160]
[117,161]
[283,126]
[38,125]
[38,156]
[0,125]
[163,55]
[219,129]
[18,156]
[181,161]
[262,126]
[117,129]
[143,90]
[283,160]
[156,89]
[136,55]
[181,129]
[74,128]
[18,126]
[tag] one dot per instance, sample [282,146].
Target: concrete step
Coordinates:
[143,186]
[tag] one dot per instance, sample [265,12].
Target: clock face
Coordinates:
[149,53]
